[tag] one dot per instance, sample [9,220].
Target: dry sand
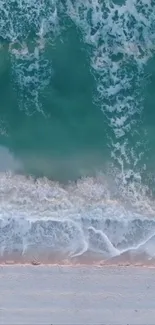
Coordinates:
[77,295]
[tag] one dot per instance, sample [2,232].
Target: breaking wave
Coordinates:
[46,222]
[95,219]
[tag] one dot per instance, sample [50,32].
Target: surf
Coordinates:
[75,181]
[45,221]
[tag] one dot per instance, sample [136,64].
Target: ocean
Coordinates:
[77,158]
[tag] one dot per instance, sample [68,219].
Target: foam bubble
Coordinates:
[23,22]
[21,17]
[121,38]
[45,220]
[31,74]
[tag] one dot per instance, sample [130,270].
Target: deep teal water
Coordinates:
[51,110]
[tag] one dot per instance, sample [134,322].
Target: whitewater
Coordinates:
[104,218]
[44,222]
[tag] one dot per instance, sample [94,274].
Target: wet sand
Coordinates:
[76,295]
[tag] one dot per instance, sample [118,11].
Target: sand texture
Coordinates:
[76,295]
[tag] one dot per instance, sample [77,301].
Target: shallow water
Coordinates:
[47,222]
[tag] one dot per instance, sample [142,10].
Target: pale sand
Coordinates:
[76,295]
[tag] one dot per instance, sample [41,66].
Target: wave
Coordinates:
[92,219]
[45,221]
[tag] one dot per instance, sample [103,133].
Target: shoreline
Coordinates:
[127,258]
[77,265]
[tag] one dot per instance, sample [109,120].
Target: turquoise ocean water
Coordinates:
[77,157]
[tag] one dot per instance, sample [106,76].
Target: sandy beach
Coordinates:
[76,295]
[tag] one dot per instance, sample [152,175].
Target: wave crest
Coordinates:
[45,220]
